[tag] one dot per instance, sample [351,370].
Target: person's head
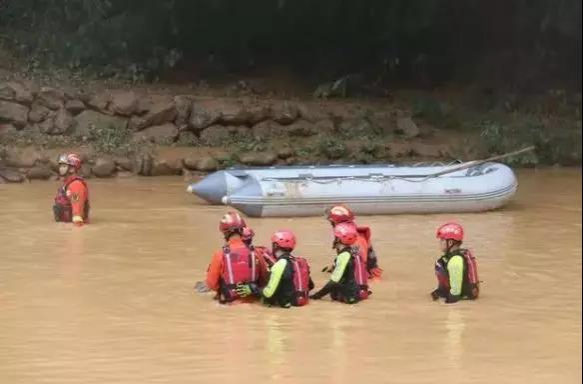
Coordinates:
[231,225]
[69,164]
[450,236]
[247,235]
[339,214]
[345,235]
[283,241]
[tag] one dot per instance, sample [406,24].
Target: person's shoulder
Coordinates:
[280,262]
[456,258]
[218,254]
[78,183]
[344,255]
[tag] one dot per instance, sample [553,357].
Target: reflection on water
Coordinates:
[455,330]
[113,302]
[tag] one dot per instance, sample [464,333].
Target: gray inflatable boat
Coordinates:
[301,191]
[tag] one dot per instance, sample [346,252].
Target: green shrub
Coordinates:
[305,151]
[498,138]
[107,138]
[30,137]
[227,161]
[331,149]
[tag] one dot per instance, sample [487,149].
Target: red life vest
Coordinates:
[364,231]
[367,254]
[266,255]
[360,275]
[301,280]
[62,208]
[363,246]
[472,273]
[239,267]
[471,279]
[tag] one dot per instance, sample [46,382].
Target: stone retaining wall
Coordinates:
[184,121]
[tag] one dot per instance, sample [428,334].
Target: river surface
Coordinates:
[113,302]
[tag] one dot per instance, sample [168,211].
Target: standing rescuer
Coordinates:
[235,263]
[342,214]
[72,200]
[348,283]
[289,281]
[456,270]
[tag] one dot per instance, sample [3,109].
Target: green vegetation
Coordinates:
[108,138]
[247,143]
[525,76]
[389,41]
[436,113]
[228,160]
[372,150]
[35,137]
[562,147]
[331,149]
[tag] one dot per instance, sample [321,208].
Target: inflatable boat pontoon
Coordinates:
[402,190]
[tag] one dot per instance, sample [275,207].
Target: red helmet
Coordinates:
[71,159]
[340,214]
[231,222]
[450,231]
[284,239]
[247,234]
[346,233]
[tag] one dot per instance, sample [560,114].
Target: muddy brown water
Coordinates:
[113,302]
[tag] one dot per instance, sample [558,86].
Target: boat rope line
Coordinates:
[436,164]
[371,177]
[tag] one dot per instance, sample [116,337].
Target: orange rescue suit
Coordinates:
[216,269]
[72,201]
